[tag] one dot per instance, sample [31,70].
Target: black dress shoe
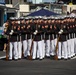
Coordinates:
[37,58]
[19,58]
[33,59]
[40,59]
[47,57]
[10,59]
[15,59]
[66,59]
[59,59]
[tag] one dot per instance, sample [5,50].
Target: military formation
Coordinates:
[38,36]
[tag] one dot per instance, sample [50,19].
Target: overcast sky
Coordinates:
[38,1]
[49,0]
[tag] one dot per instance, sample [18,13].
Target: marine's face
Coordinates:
[46,26]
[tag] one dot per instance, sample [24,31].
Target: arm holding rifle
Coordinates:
[33,32]
[60,32]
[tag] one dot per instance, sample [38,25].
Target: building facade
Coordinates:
[27,6]
[7,9]
[2,12]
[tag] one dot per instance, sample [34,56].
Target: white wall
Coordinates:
[72,7]
[9,5]
[24,8]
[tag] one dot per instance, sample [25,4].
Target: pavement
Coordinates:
[37,67]
[2,54]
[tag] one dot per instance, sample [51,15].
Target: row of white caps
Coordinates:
[43,17]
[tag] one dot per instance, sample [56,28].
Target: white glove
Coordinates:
[10,33]
[61,30]
[36,31]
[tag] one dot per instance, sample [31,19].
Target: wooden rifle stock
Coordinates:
[7,48]
[30,57]
[56,49]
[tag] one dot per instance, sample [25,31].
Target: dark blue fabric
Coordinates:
[42,12]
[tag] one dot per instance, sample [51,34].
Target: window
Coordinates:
[25,0]
[8,1]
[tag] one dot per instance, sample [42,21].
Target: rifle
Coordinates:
[56,49]
[7,48]
[30,57]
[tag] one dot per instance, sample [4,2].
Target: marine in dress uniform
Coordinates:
[62,45]
[68,39]
[72,37]
[43,36]
[75,36]
[19,40]
[52,37]
[37,42]
[24,37]
[29,34]
[47,39]
[13,41]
